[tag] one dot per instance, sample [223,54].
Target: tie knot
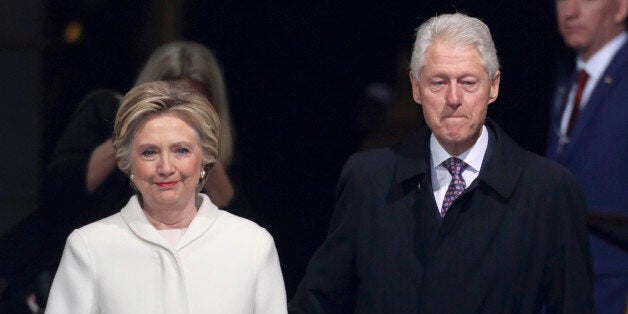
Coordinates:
[454,165]
[582,77]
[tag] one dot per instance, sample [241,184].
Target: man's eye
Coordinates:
[469,86]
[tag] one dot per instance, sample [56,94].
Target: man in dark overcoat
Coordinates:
[458,218]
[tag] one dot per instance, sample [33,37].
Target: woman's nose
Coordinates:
[165,165]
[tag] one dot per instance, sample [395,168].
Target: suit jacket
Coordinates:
[513,242]
[121,264]
[597,154]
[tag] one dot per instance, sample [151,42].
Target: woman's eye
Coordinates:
[183,150]
[148,153]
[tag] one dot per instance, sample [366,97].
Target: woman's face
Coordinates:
[166,162]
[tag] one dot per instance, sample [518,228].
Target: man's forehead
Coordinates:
[459,57]
[451,46]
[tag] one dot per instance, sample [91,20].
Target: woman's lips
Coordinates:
[166,184]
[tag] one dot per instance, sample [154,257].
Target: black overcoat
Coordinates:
[514,242]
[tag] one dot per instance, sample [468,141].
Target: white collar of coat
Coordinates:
[135,218]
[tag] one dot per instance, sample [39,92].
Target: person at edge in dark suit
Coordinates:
[590,137]
[400,241]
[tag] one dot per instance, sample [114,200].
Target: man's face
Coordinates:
[454,89]
[587,25]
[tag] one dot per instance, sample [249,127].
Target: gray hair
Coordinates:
[459,29]
[191,60]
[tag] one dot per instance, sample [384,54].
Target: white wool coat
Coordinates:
[121,264]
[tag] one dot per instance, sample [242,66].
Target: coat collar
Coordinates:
[411,156]
[500,172]
[134,217]
[505,163]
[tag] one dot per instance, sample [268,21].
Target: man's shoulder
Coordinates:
[378,162]
[547,175]
[544,167]
[371,156]
[535,169]
[369,165]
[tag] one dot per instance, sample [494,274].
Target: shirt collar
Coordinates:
[472,157]
[598,63]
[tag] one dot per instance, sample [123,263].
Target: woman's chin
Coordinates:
[166,198]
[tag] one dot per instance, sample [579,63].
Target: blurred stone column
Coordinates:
[21,46]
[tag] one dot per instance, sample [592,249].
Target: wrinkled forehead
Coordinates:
[452,52]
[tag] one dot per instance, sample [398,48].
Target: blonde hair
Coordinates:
[191,60]
[166,97]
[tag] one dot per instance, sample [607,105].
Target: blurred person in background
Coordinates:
[589,131]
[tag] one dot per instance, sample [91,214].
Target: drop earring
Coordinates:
[131,177]
[203,174]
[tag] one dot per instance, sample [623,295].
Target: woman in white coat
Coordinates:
[169,250]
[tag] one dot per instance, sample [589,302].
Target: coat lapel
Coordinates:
[413,177]
[135,218]
[204,219]
[505,163]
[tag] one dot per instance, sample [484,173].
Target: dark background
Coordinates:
[295,71]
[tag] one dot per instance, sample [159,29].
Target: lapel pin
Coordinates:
[608,80]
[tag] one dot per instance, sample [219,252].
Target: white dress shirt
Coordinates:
[441,177]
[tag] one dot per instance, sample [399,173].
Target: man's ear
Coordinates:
[416,94]
[494,88]
[622,11]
